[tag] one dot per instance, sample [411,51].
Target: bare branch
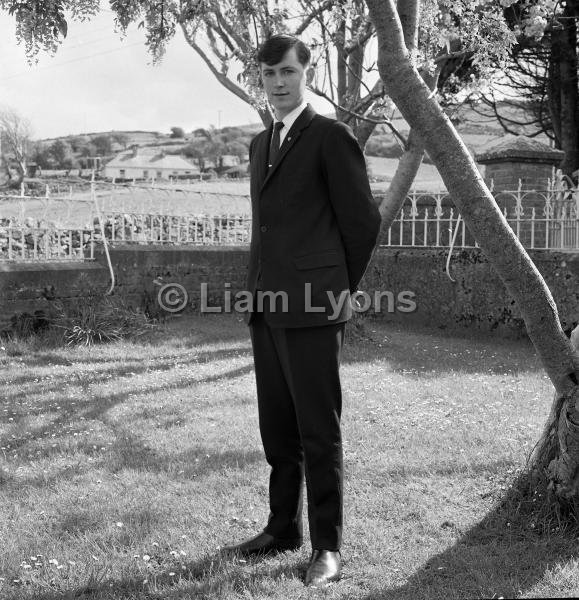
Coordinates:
[313,16]
[219,75]
[361,41]
[337,106]
[376,92]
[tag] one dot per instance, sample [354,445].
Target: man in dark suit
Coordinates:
[315,226]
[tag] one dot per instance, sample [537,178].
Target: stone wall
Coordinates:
[141,271]
[27,287]
[476,298]
[506,175]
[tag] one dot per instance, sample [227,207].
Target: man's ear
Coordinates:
[310,75]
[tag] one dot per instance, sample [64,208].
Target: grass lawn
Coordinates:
[125,467]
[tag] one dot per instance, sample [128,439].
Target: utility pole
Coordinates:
[218,119]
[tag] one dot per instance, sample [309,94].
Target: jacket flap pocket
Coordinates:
[320,259]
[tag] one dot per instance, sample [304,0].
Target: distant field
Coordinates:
[206,197]
[79,210]
[427,177]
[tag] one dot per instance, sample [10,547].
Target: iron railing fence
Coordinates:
[224,229]
[33,243]
[544,219]
[547,220]
[37,244]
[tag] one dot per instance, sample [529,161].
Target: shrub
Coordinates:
[96,319]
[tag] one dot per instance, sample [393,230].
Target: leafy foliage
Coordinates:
[103,144]
[177,132]
[41,25]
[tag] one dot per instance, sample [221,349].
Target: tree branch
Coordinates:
[221,77]
[409,14]
[337,106]
[361,40]
[312,16]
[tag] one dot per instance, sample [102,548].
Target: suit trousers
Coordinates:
[300,404]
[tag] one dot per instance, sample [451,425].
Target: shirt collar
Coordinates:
[291,117]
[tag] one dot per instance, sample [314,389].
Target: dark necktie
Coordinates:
[274,146]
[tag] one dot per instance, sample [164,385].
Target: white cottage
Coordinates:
[148,163]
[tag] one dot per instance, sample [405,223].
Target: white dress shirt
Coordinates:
[289,120]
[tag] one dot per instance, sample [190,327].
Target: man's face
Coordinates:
[285,83]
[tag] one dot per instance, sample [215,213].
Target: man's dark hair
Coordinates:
[274,49]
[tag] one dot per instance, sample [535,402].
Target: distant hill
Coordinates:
[135,137]
[476,130]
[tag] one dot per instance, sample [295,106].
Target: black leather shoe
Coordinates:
[325,567]
[261,545]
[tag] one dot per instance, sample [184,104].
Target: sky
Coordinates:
[98,82]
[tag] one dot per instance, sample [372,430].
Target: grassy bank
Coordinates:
[126,466]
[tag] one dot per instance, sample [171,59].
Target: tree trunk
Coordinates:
[564,51]
[409,162]
[411,159]
[363,129]
[341,70]
[21,168]
[489,227]
[6,168]
[554,96]
[399,187]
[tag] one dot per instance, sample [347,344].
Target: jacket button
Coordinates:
[263,229]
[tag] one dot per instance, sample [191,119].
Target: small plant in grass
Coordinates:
[25,324]
[356,330]
[28,331]
[96,319]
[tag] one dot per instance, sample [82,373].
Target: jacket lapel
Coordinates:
[289,141]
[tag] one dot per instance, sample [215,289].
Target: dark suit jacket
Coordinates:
[314,220]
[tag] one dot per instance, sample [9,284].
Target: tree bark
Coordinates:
[554,95]
[564,37]
[405,174]
[413,155]
[489,227]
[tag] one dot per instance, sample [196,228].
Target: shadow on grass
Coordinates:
[402,472]
[491,560]
[69,411]
[129,452]
[427,352]
[110,369]
[209,576]
[505,555]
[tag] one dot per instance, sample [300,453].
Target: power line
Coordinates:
[67,62]
[90,42]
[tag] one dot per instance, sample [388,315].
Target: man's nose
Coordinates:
[279,81]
